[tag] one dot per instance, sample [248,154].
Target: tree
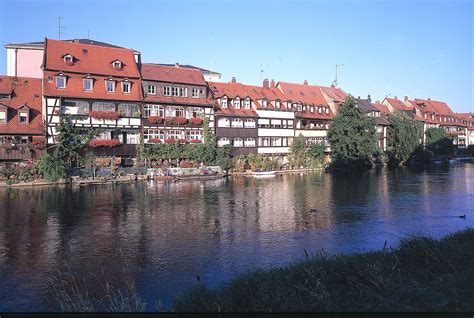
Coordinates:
[403,138]
[352,136]
[438,142]
[298,151]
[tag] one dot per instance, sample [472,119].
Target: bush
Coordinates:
[51,168]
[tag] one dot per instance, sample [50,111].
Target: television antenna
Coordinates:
[262,69]
[335,81]
[60,28]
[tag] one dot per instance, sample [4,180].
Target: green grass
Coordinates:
[422,274]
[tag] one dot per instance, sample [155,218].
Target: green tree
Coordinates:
[352,136]
[51,167]
[298,151]
[403,138]
[438,142]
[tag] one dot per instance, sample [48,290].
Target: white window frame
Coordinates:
[124,84]
[113,86]
[3,116]
[67,57]
[247,103]
[238,142]
[58,78]
[117,64]
[277,104]
[167,90]
[223,141]
[236,103]
[327,110]
[25,115]
[195,93]
[151,90]
[87,80]
[264,103]
[183,91]
[175,91]
[249,142]
[237,123]
[223,123]
[223,102]
[249,123]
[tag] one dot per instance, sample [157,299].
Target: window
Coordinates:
[87,84]
[222,142]
[126,87]
[179,112]
[277,104]
[237,123]
[264,141]
[223,122]
[195,92]
[249,123]
[194,135]
[183,92]
[275,123]
[110,86]
[154,110]
[320,110]
[300,107]
[224,102]
[249,142]
[103,107]
[264,103]
[60,82]
[288,104]
[327,111]
[117,65]
[151,89]
[167,90]
[75,107]
[23,117]
[3,116]
[128,110]
[238,142]
[290,124]
[175,91]
[237,103]
[68,59]
[247,103]
[174,134]
[311,109]
[153,134]
[197,112]
[276,141]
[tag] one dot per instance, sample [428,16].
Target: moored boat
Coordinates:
[264,174]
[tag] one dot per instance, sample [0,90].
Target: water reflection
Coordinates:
[165,234]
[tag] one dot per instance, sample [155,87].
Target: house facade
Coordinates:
[99,87]
[236,117]
[176,102]
[21,123]
[381,122]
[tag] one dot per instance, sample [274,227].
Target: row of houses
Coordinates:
[108,87]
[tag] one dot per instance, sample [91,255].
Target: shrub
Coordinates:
[51,167]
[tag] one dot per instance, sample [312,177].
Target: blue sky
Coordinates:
[415,48]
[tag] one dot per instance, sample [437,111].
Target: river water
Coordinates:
[165,235]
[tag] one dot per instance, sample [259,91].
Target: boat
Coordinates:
[260,174]
[201,177]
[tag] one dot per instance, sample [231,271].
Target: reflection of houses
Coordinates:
[236,117]
[99,87]
[21,124]
[175,104]
[381,122]
[312,111]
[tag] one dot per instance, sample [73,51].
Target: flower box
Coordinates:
[170,140]
[155,119]
[182,140]
[104,143]
[104,115]
[195,141]
[154,140]
[176,120]
[195,121]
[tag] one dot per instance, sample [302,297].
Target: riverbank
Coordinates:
[423,274]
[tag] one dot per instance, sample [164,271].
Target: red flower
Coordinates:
[155,119]
[104,115]
[104,143]
[195,121]
[170,140]
[182,140]
[180,120]
[195,141]
[154,140]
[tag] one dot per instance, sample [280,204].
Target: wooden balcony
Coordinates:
[117,151]
[20,152]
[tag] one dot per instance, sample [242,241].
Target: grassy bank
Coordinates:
[423,274]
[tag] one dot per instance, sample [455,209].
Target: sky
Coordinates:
[421,49]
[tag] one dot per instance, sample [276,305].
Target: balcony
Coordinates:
[123,150]
[20,152]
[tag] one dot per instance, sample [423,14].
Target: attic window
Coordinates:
[277,104]
[23,117]
[264,103]
[60,81]
[3,116]
[68,59]
[247,103]
[224,102]
[327,110]
[117,65]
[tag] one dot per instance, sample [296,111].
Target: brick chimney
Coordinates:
[405,98]
[305,82]
[266,83]
[368,98]
[272,83]
[233,80]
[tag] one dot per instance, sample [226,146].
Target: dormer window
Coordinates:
[288,104]
[87,84]
[327,111]
[237,103]
[23,117]
[60,81]
[264,103]
[224,102]
[117,65]
[68,59]
[247,103]
[126,87]
[277,104]
[3,115]
[311,109]
[110,86]
[320,110]
[299,107]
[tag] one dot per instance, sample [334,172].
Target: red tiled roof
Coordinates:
[336,94]
[230,90]
[231,111]
[438,107]
[398,104]
[5,86]
[89,59]
[172,74]
[26,91]
[382,108]
[74,87]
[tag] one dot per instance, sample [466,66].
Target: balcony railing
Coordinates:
[19,152]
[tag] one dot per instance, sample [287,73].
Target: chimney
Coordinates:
[395,97]
[405,98]
[368,98]
[233,80]
[265,83]
[176,65]
[377,102]
[429,98]
[272,84]
[305,82]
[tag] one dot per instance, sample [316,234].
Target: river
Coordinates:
[165,235]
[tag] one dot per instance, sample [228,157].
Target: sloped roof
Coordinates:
[336,94]
[306,94]
[6,86]
[365,104]
[230,90]
[397,104]
[203,70]
[25,92]
[172,74]
[89,59]
[40,45]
